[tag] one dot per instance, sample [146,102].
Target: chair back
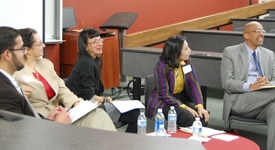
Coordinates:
[149,84]
[272,17]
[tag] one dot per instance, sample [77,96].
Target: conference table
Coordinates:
[29,133]
[215,144]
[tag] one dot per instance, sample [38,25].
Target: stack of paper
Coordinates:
[225,137]
[125,106]
[206,132]
[81,110]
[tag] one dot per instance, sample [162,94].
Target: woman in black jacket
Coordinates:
[85,82]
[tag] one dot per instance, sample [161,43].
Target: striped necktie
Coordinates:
[257,64]
[19,88]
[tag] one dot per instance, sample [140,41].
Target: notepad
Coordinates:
[125,106]
[264,87]
[225,137]
[81,110]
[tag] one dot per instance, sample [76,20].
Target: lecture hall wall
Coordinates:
[151,14]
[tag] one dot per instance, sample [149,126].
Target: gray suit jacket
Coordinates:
[234,73]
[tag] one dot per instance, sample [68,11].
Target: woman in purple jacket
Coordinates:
[176,84]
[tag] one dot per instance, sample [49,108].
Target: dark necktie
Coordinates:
[257,64]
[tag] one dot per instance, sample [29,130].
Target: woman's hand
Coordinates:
[60,114]
[108,99]
[27,90]
[204,112]
[193,112]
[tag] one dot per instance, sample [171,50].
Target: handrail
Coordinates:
[159,34]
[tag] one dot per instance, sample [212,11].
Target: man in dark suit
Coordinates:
[12,97]
[245,68]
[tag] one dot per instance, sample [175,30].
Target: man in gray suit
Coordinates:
[245,68]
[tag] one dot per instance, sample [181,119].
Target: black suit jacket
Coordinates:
[11,99]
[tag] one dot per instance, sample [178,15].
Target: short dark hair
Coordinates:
[83,40]
[27,36]
[7,38]
[172,50]
[83,37]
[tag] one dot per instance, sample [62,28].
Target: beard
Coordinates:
[19,65]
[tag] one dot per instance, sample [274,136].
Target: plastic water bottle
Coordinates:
[159,119]
[197,129]
[142,123]
[161,131]
[172,120]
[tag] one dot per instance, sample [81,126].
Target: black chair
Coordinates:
[149,84]
[240,120]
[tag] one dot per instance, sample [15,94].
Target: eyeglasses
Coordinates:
[40,44]
[257,31]
[96,41]
[15,49]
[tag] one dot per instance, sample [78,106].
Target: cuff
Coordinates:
[183,106]
[198,105]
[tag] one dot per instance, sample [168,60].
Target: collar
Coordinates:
[12,79]
[250,51]
[182,63]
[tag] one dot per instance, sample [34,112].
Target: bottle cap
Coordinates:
[160,110]
[142,113]
[198,119]
[172,107]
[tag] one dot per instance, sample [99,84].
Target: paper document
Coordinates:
[264,87]
[206,132]
[124,106]
[225,137]
[81,110]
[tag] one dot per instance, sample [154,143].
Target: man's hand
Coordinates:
[261,81]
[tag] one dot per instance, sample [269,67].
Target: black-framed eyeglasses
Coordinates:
[15,49]
[18,49]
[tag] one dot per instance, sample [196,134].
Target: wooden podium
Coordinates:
[110,56]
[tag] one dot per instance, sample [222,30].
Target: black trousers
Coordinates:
[129,118]
[184,117]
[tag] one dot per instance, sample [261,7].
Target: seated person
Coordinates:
[246,67]
[45,89]
[176,84]
[85,80]
[12,98]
